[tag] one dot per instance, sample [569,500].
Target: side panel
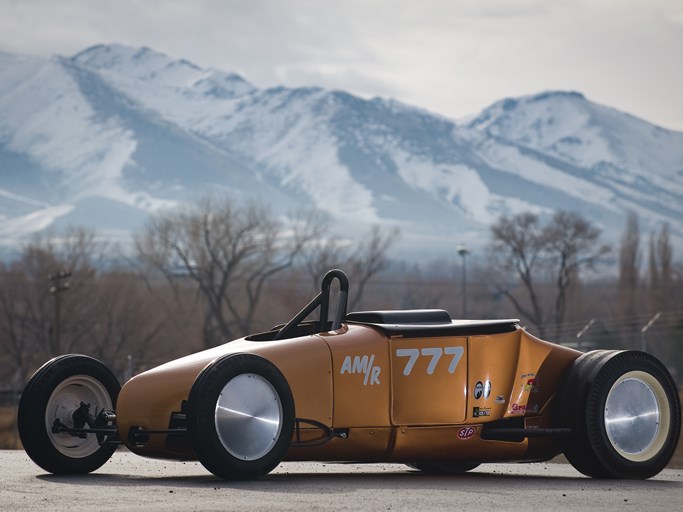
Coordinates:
[429,380]
[454,443]
[362,377]
[492,367]
[513,375]
[362,444]
[540,367]
[307,366]
[148,399]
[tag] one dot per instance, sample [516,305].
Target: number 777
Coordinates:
[435,353]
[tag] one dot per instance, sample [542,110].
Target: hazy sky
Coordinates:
[453,57]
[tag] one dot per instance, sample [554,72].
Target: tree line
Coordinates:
[216,269]
[198,276]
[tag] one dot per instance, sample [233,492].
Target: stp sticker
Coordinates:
[466,433]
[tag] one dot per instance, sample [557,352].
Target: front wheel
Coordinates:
[624,412]
[56,391]
[240,416]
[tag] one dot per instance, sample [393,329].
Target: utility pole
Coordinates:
[463,252]
[56,288]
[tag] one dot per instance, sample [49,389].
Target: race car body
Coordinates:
[411,386]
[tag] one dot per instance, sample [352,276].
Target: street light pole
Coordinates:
[463,252]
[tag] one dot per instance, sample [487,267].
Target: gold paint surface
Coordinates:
[361,376]
[429,380]
[401,399]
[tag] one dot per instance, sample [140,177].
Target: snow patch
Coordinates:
[510,159]
[458,185]
[48,118]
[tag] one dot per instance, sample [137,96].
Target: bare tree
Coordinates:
[100,314]
[29,322]
[19,342]
[517,249]
[523,247]
[572,243]
[229,251]
[660,265]
[629,254]
[362,260]
[369,259]
[653,264]
[664,255]
[128,323]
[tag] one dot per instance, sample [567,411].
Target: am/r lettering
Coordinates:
[364,365]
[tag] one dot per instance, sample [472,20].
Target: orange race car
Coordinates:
[414,387]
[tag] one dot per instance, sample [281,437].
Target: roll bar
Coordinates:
[322,300]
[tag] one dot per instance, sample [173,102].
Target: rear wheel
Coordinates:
[572,397]
[56,391]
[240,417]
[625,415]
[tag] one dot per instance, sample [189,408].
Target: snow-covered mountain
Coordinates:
[113,133]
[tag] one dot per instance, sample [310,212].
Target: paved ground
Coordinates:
[128,482]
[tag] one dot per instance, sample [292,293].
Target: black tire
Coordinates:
[625,415]
[443,468]
[570,411]
[226,407]
[55,392]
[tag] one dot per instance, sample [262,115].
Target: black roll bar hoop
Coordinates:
[322,300]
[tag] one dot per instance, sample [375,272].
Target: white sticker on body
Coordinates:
[434,353]
[363,365]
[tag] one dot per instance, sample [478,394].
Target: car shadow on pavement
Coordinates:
[324,482]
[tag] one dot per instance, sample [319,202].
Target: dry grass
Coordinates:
[9,438]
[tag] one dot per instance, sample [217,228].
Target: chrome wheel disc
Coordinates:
[248,416]
[64,401]
[637,416]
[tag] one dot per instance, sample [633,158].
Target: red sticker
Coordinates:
[465,433]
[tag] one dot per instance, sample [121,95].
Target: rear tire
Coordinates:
[54,392]
[240,417]
[572,397]
[624,412]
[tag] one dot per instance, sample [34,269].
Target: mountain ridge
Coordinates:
[138,128]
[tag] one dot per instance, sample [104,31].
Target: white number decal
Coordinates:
[413,354]
[435,353]
[457,353]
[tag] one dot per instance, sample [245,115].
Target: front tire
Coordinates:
[625,415]
[54,392]
[240,417]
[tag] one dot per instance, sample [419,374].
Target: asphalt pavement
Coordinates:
[128,482]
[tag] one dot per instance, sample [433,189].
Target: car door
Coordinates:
[428,380]
[361,377]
